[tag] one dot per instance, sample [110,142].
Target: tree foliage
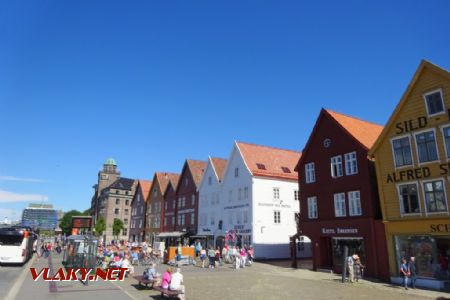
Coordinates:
[117,227]
[66,222]
[100,226]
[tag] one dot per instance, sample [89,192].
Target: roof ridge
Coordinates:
[353,117]
[272,147]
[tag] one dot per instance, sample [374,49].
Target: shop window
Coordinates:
[401,149]
[351,165]
[434,102]
[312,208]
[435,199]
[339,205]
[446,135]
[336,166]
[409,198]
[355,246]
[354,203]
[310,173]
[431,254]
[426,146]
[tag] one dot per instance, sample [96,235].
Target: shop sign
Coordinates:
[411,125]
[241,229]
[339,230]
[415,174]
[274,205]
[440,227]
[190,210]
[236,206]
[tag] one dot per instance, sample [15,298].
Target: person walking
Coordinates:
[350,267]
[358,269]
[243,257]
[237,258]
[404,272]
[412,271]
[203,256]
[211,256]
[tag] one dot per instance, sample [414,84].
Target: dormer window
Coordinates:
[285,170]
[434,102]
[261,166]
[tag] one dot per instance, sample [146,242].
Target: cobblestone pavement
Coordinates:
[274,281]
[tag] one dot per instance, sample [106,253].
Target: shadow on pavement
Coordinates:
[301,263]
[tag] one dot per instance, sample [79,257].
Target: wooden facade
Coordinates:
[412,161]
[331,226]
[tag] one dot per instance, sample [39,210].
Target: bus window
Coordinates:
[11,240]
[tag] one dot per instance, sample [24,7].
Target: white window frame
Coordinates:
[356,201]
[393,152]
[277,217]
[333,163]
[426,104]
[348,163]
[400,200]
[443,140]
[193,199]
[435,144]
[312,208]
[310,172]
[337,200]
[425,199]
[192,218]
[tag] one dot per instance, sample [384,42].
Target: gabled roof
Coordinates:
[145,187]
[163,179]
[424,64]
[219,165]
[173,180]
[197,168]
[267,161]
[364,132]
[122,184]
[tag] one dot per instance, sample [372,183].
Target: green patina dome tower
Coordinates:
[110,162]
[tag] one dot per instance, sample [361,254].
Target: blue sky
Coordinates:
[151,83]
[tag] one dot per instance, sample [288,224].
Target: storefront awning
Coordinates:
[201,236]
[171,234]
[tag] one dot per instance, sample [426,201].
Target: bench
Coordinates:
[143,281]
[167,292]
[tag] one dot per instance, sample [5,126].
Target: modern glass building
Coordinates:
[40,216]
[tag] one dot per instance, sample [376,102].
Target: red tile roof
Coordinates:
[365,132]
[219,165]
[197,168]
[163,179]
[270,160]
[145,187]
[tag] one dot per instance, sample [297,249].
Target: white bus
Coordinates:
[16,245]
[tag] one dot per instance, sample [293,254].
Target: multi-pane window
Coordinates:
[246,192]
[426,146]
[435,199]
[181,219]
[402,151]
[124,231]
[336,166]
[236,172]
[179,202]
[173,220]
[446,135]
[212,219]
[149,209]
[296,195]
[230,196]
[192,218]
[117,201]
[434,102]
[239,217]
[183,201]
[354,203]
[239,194]
[193,200]
[165,220]
[310,173]
[125,221]
[245,216]
[157,222]
[409,198]
[209,180]
[126,211]
[140,223]
[351,165]
[142,209]
[312,207]
[165,205]
[127,202]
[276,193]
[339,205]
[277,217]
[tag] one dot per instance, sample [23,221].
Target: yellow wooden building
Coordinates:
[412,158]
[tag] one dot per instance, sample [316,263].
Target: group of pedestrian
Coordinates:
[239,257]
[355,268]
[408,270]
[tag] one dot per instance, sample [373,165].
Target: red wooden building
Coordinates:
[338,194]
